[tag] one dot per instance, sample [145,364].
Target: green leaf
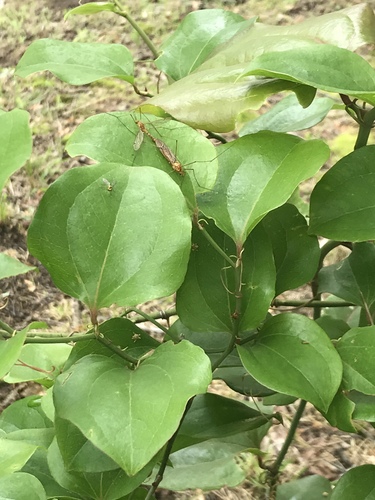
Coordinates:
[12,267]
[319,66]
[364,406]
[121,332]
[293,355]
[258,175]
[91,8]
[357,350]
[340,413]
[14,455]
[334,328]
[41,361]
[289,116]
[358,483]
[21,486]
[205,301]
[24,414]
[296,253]
[214,416]
[15,143]
[207,466]
[110,485]
[213,96]
[307,488]
[78,453]
[196,37]
[351,279]
[77,63]
[336,215]
[143,407]
[112,137]
[10,350]
[125,245]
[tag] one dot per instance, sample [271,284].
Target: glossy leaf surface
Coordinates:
[335,215]
[142,407]
[259,173]
[319,66]
[217,91]
[296,253]
[340,413]
[77,63]
[196,37]
[289,116]
[293,355]
[126,244]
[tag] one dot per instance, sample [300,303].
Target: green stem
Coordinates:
[167,452]
[114,348]
[215,245]
[148,317]
[365,127]
[328,247]
[121,12]
[59,340]
[6,327]
[275,468]
[236,316]
[157,315]
[218,137]
[311,303]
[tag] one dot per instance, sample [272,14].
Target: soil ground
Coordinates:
[56,109]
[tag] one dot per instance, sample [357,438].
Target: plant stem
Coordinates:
[311,303]
[149,318]
[59,340]
[157,315]
[112,347]
[218,137]
[121,12]
[214,244]
[236,316]
[274,469]
[365,127]
[6,327]
[168,449]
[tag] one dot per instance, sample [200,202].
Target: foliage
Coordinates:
[163,210]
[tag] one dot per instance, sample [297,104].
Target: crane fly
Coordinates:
[163,148]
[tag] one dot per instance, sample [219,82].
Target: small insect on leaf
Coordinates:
[138,140]
[107,184]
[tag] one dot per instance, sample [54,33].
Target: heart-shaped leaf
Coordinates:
[130,414]
[125,240]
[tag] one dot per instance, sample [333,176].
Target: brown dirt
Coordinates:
[319,448]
